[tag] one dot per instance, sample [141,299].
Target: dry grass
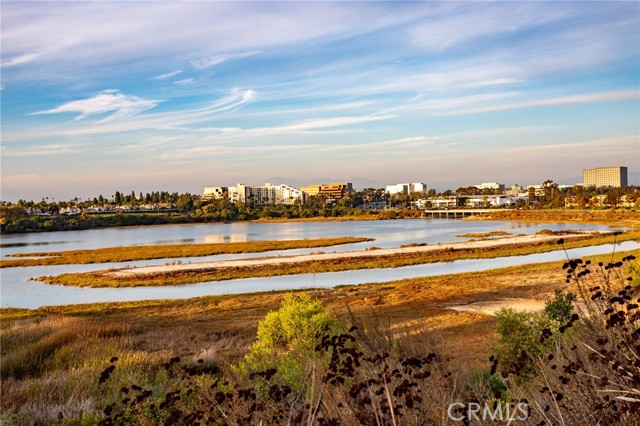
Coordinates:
[125,254]
[484,234]
[630,218]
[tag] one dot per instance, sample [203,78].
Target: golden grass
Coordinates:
[629,218]
[125,254]
[484,234]
[104,279]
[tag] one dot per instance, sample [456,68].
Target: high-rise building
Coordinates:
[605,176]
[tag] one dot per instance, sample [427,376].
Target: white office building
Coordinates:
[406,188]
[491,185]
[268,194]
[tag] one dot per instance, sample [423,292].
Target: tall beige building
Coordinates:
[605,176]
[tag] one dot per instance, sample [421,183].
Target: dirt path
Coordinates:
[283,260]
[493,306]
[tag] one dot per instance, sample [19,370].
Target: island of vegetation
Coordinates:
[167,251]
[190,273]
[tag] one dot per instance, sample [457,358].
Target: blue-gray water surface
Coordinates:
[18,291]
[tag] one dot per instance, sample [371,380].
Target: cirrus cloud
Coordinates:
[104,102]
[209,61]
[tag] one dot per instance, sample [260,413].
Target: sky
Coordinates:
[103,96]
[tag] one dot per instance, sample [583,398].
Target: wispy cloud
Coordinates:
[209,61]
[565,100]
[43,150]
[21,59]
[107,101]
[167,76]
[184,82]
[468,21]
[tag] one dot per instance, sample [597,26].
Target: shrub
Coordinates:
[561,307]
[633,272]
[524,337]
[286,336]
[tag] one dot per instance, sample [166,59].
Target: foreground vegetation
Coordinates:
[213,360]
[180,277]
[170,251]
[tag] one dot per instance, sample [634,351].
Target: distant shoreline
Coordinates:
[623,218]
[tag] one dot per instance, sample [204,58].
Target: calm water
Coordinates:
[18,291]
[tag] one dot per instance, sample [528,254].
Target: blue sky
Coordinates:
[104,96]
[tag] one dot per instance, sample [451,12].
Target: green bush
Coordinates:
[633,271]
[561,307]
[286,337]
[524,337]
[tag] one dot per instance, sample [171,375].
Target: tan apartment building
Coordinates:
[336,191]
[605,176]
[215,193]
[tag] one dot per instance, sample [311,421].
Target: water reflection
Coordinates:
[233,238]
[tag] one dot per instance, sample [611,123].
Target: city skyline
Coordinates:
[106,96]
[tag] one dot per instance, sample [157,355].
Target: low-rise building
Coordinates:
[489,201]
[491,185]
[406,188]
[267,194]
[215,193]
[332,191]
[444,202]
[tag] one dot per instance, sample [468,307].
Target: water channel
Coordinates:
[17,289]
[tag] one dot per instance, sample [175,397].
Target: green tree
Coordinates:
[184,203]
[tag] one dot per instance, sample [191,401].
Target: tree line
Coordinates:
[45,215]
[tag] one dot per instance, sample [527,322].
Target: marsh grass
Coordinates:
[630,218]
[484,234]
[104,279]
[124,254]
